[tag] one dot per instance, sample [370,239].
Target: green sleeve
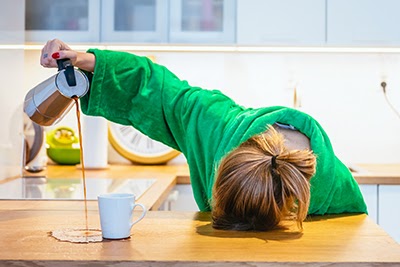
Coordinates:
[132,90]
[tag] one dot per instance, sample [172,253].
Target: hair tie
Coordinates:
[273,161]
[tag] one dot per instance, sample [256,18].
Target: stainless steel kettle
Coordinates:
[48,102]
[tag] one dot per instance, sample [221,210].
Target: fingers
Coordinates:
[53,50]
[71,54]
[50,47]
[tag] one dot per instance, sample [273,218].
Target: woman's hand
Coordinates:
[56,49]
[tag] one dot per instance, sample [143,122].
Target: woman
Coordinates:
[252,168]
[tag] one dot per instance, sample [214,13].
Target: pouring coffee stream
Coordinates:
[48,102]
[78,116]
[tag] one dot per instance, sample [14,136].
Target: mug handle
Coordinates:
[141,216]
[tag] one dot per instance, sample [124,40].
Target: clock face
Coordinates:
[137,147]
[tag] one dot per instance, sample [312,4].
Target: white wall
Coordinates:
[341,90]
[11,87]
[11,97]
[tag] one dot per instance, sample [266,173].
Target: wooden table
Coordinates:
[187,239]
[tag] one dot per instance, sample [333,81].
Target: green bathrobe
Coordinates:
[205,125]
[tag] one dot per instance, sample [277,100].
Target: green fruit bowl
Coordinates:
[64,156]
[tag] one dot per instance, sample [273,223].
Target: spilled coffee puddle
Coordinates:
[77,235]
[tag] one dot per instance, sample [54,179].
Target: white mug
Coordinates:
[116,211]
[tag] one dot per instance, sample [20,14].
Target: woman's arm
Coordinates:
[132,90]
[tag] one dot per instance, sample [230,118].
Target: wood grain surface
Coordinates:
[188,239]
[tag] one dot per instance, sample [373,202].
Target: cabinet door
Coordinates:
[363,22]
[12,92]
[283,22]
[202,21]
[389,210]
[143,21]
[370,194]
[181,199]
[71,21]
[12,22]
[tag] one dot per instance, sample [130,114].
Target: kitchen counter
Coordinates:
[363,173]
[187,239]
[388,174]
[166,178]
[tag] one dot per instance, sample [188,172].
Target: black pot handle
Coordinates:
[65,64]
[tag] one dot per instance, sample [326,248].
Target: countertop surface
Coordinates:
[184,239]
[364,173]
[154,183]
[187,239]
[98,181]
[388,174]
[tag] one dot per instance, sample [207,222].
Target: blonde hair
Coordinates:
[261,183]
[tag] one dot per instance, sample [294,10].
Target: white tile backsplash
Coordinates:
[341,90]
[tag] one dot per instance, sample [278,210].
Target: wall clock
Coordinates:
[137,147]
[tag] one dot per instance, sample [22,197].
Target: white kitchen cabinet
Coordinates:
[243,22]
[202,21]
[12,22]
[143,21]
[174,21]
[389,210]
[284,22]
[181,199]
[363,22]
[370,194]
[71,21]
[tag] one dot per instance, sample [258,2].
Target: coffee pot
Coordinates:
[48,102]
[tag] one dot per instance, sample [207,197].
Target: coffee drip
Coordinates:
[46,104]
[78,118]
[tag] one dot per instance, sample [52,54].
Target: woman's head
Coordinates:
[260,183]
